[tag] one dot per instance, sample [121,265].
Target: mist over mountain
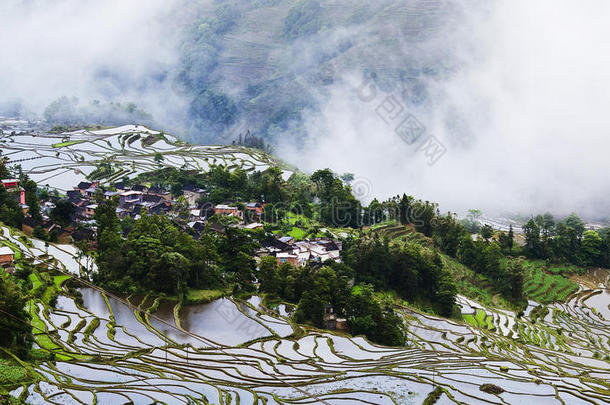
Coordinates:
[513,93]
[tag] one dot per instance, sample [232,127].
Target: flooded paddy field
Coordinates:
[61,161]
[111,349]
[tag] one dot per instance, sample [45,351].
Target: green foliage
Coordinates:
[486,258]
[40,233]
[10,210]
[374,318]
[337,204]
[31,197]
[12,373]
[433,396]
[491,389]
[15,330]
[566,240]
[102,170]
[269,276]
[410,270]
[156,256]
[62,212]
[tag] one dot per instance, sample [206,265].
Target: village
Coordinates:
[79,204]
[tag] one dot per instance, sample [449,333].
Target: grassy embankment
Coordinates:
[67,143]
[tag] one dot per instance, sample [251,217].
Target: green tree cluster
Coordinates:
[566,240]
[414,272]
[10,210]
[316,289]
[15,329]
[157,256]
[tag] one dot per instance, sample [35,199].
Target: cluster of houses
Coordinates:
[135,200]
[138,199]
[299,253]
[132,200]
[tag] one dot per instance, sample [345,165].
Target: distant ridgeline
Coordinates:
[263,65]
[280,56]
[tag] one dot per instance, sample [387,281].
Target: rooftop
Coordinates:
[224,207]
[128,193]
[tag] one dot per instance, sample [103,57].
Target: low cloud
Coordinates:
[522,112]
[108,50]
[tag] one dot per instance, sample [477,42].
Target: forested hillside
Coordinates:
[264,63]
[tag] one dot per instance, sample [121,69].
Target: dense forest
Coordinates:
[136,256]
[566,240]
[158,254]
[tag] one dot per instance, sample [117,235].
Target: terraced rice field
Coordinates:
[116,349]
[61,161]
[544,287]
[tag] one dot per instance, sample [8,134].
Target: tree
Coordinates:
[504,242]
[569,234]
[467,253]
[591,249]
[268,275]
[574,222]
[159,157]
[472,223]
[182,209]
[445,294]
[531,230]
[15,329]
[206,261]
[487,232]
[174,266]
[422,215]
[31,198]
[492,254]
[310,308]
[517,277]
[272,185]
[404,207]
[82,247]
[10,210]
[40,233]
[111,255]
[62,212]
[604,233]
[377,321]
[4,172]
[338,206]
[243,268]
[548,224]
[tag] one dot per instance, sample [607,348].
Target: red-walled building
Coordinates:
[13,185]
